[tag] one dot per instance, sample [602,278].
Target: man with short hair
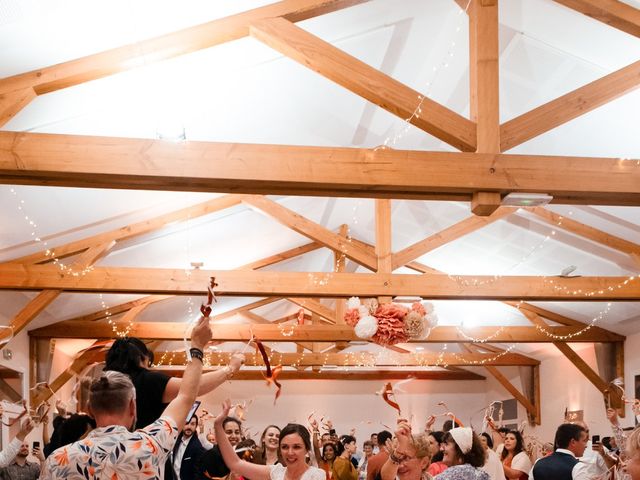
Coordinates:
[571,442]
[186,453]
[374,442]
[377,461]
[112,450]
[20,468]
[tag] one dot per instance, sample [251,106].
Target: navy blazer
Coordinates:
[191,456]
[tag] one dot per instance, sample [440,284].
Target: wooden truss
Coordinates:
[488,174]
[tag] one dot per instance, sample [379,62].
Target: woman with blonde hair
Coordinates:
[632,465]
[409,456]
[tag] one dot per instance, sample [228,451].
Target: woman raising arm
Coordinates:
[294,445]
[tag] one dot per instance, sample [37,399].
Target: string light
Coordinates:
[391,141]
[114,326]
[37,238]
[463,281]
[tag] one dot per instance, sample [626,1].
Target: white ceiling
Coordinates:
[245,92]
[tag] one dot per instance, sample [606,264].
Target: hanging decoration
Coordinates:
[389,397]
[271,374]
[205,309]
[390,323]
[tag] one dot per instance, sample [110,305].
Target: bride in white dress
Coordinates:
[294,445]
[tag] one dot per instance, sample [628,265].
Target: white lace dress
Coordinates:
[313,473]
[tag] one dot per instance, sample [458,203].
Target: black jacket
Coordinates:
[191,457]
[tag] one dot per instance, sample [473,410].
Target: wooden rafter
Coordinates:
[311,333]
[366,81]
[574,358]
[587,231]
[17,91]
[121,308]
[306,227]
[347,375]
[483,72]
[35,158]
[617,14]
[315,307]
[533,411]
[339,266]
[383,240]
[133,230]
[362,359]
[259,283]
[449,234]
[46,297]
[569,106]
[89,356]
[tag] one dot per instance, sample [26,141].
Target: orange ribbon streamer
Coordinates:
[271,375]
[387,393]
[211,298]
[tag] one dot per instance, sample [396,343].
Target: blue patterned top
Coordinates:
[462,472]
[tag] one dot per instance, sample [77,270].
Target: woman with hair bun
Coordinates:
[342,468]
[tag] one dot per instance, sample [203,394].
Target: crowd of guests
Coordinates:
[140,425]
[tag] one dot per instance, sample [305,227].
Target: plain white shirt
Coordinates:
[596,465]
[9,454]
[580,470]
[177,458]
[493,465]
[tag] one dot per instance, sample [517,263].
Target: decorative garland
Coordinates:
[390,323]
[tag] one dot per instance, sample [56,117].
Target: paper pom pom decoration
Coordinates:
[353,303]
[366,327]
[390,323]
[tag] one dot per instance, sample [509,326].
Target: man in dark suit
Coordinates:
[186,452]
[563,464]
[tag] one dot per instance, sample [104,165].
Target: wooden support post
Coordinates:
[484,204]
[590,374]
[383,240]
[504,381]
[339,266]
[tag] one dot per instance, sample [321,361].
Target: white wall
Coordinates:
[348,404]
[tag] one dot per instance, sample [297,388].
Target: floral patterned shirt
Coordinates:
[113,452]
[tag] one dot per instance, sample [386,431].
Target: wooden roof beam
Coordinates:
[36,159]
[586,231]
[532,410]
[569,106]
[366,81]
[304,226]
[359,359]
[449,234]
[131,231]
[46,297]
[351,375]
[614,13]
[310,333]
[561,319]
[258,283]
[17,91]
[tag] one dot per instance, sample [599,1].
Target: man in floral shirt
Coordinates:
[112,451]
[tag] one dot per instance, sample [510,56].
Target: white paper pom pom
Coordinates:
[353,302]
[431,320]
[428,307]
[366,327]
[363,311]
